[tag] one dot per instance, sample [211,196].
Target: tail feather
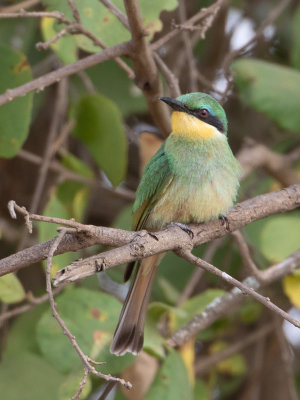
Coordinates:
[129,333]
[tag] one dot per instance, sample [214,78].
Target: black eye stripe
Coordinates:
[210,119]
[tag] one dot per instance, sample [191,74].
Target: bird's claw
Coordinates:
[184,227]
[224,221]
[153,235]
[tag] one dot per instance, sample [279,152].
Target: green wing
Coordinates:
[157,176]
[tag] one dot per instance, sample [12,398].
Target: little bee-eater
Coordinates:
[192,178]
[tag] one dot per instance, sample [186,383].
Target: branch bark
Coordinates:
[137,245]
[147,78]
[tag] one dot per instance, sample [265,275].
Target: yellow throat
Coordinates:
[192,127]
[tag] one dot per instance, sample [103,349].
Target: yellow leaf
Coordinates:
[187,352]
[291,287]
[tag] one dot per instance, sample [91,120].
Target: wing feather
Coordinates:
[157,175]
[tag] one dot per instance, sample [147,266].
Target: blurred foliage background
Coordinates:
[89,137]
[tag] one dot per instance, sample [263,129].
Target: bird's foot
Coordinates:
[224,221]
[184,227]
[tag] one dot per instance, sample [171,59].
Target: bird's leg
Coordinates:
[184,227]
[224,221]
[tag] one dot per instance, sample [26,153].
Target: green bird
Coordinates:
[193,178]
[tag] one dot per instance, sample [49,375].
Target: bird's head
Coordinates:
[197,115]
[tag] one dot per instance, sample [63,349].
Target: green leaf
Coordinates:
[171,381]
[104,25]
[70,385]
[176,270]
[28,377]
[154,341]
[11,290]
[280,236]
[75,164]
[91,317]
[296,39]
[65,47]
[22,333]
[74,195]
[113,83]
[99,126]
[201,391]
[271,89]
[196,305]
[171,294]
[14,71]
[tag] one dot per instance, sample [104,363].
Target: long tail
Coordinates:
[129,333]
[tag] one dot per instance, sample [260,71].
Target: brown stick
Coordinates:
[147,78]
[86,361]
[225,304]
[40,83]
[245,289]
[140,244]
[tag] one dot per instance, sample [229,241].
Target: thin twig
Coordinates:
[197,274]
[81,385]
[189,58]
[33,302]
[62,137]
[58,114]
[274,14]
[147,78]
[168,74]
[67,174]
[23,5]
[254,155]
[187,255]
[36,14]
[204,12]
[116,12]
[87,364]
[40,83]
[45,45]
[246,256]
[223,305]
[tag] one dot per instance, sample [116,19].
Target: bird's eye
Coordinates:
[204,113]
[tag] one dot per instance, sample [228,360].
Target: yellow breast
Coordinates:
[192,127]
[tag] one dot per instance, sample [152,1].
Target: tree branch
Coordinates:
[254,155]
[144,245]
[147,78]
[40,83]
[245,289]
[86,361]
[137,245]
[223,305]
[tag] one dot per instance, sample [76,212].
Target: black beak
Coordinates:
[173,103]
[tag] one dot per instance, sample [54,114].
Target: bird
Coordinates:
[192,178]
